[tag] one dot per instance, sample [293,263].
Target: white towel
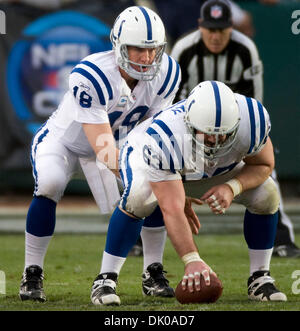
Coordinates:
[103,184]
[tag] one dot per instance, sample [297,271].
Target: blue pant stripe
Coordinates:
[128,178]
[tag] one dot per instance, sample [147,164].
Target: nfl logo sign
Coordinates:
[216,12]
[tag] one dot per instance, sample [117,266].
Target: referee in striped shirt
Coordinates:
[216,51]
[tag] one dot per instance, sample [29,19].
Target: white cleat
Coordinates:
[261,288]
[104,290]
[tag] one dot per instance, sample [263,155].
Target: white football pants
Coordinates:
[54,165]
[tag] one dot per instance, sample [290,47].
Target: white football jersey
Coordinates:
[165,143]
[98,94]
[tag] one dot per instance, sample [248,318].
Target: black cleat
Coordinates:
[155,283]
[104,290]
[261,287]
[31,287]
[289,250]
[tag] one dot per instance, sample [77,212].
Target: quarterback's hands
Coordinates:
[191,215]
[218,198]
[193,271]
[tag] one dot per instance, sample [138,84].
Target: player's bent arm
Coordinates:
[103,143]
[257,168]
[171,199]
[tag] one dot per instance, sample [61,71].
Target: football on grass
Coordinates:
[207,294]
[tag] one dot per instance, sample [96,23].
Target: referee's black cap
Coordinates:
[215,14]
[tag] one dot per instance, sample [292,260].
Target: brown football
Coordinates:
[207,294]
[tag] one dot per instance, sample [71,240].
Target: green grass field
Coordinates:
[73,261]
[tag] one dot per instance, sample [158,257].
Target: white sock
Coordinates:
[260,259]
[111,263]
[154,240]
[35,249]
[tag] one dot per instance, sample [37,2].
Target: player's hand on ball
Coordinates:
[207,293]
[193,272]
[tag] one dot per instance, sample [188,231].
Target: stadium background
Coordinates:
[41,46]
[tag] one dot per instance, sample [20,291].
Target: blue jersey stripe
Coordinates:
[148,22]
[166,82]
[129,178]
[262,122]
[223,170]
[252,123]
[102,76]
[155,135]
[97,87]
[173,140]
[174,82]
[218,104]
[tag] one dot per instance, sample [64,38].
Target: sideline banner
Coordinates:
[39,64]
[38,50]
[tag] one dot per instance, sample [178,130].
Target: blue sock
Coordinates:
[41,217]
[260,230]
[123,232]
[155,220]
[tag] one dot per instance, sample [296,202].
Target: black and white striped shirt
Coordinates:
[238,66]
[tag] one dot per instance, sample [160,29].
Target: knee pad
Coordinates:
[266,199]
[141,201]
[50,184]
[51,187]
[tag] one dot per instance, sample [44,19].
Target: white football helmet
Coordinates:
[212,109]
[140,27]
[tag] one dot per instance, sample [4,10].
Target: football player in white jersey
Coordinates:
[109,93]
[214,146]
